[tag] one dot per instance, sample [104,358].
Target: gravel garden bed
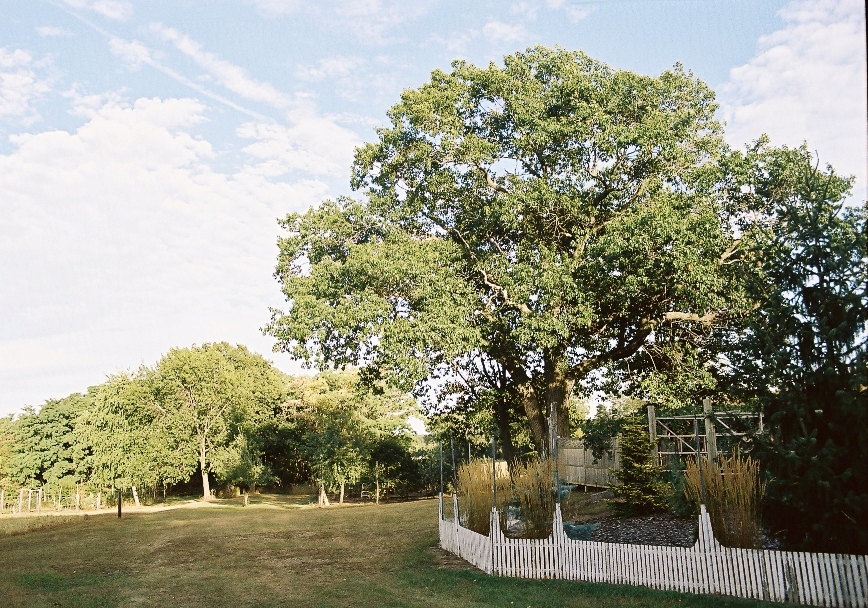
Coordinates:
[665,529]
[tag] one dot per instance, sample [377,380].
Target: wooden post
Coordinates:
[39,500]
[29,499]
[710,432]
[652,432]
[2,501]
[99,500]
[441,470]
[120,500]
[699,462]
[20,499]
[377,478]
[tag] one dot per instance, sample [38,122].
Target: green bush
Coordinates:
[641,489]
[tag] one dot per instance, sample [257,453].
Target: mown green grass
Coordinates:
[275,553]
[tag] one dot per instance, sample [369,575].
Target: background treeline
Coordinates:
[214,414]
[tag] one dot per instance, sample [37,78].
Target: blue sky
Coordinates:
[147,148]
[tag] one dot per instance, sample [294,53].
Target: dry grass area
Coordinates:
[275,552]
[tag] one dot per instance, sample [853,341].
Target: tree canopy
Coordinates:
[800,357]
[523,227]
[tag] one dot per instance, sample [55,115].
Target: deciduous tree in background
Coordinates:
[211,394]
[344,423]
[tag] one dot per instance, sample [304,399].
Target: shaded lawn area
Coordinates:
[275,553]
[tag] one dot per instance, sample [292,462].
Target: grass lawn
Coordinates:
[274,552]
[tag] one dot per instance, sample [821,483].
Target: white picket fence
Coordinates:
[817,579]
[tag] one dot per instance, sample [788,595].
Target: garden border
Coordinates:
[817,579]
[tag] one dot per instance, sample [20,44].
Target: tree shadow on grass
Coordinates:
[71,589]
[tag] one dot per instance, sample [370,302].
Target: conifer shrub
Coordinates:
[641,489]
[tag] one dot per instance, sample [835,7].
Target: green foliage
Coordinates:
[211,398]
[524,226]
[640,479]
[801,356]
[392,460]
[44,444]
[123,437]
[345,429]
[7,450]
[607,423]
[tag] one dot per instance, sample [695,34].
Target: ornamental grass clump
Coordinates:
[474,489]
[733,495]
[533,490]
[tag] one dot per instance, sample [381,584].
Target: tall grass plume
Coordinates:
[733,493]
[533,490]
[474,489]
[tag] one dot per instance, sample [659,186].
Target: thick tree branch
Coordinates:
[491,183]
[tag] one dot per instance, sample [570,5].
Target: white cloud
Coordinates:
[132,52]
[120,240]
[376,21]
[530,9]
[47,31]
[113,9]
[497,31]
[330,67]
[277,7]
[576,14]
[229,75]
[807,81]
[311,144]
[20,85]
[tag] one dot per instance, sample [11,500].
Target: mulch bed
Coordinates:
[665,529]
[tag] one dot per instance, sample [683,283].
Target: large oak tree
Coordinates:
[523,227]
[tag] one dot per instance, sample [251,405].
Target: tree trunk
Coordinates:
[558,389]
[501,417]
[136,497]
[341,501]
[98,501]
[206,487]
[377,480]
[323,499]
[536,419]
